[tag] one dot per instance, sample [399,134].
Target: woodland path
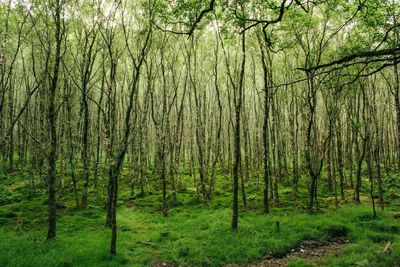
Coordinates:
[311,250]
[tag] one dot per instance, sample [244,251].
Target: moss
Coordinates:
[9,214]
[335,231]
[193,234]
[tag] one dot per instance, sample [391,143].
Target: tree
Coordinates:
[51,116]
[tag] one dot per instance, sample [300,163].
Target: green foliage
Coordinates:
[7,197]
[192,235]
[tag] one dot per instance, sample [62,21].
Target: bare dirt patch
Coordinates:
[310,250]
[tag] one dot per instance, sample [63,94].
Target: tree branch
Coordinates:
[363,54]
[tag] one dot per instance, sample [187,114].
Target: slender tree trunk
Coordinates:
[360,154]
[396,91]
[51,116]
[340,157]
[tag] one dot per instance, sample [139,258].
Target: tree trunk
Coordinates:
[51,116]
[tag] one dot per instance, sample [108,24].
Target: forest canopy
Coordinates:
[261,106]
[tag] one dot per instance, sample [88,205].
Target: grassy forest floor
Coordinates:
[193,234]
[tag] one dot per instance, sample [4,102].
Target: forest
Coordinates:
[200,133]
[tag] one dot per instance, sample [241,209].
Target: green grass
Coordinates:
[192,234]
